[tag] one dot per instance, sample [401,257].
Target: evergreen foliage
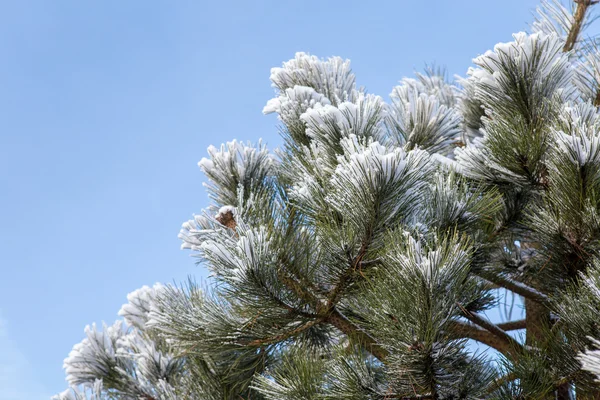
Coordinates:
[358,261]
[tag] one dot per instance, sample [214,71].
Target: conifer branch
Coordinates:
[286,335]
[578,18]
[292,310]
[332,316]
[510,345]
[462,330]
[344,281]
[339,320]
[493,328]
[298,289]
[517,287]
[513,325]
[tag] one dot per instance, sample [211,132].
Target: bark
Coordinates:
[564,391]
[513,325]
[461,330]
[578,18]
[517,287]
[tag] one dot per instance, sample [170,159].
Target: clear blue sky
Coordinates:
[107,106]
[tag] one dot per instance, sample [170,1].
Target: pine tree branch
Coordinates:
[462,330]
[493,328]
[345,279]
[332,316]
[286,335]
[578,18]
[497,383]
[513,325]
[298,289]
[509,346]
[339,320]
[292,310]
[517,287]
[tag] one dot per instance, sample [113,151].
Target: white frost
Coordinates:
[95,355]
[332,77]
[363,117]
[580,149]
[294,101]
[537,56]
[140,303]
[590,360]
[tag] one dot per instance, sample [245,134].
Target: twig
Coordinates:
[332,316]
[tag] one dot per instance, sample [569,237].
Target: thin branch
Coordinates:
[332,316]
[513,345]
[513,325]
[298,288]
[493,328]
[578,18]
[293,310]
[462,330]
[345,279]
[514,286]
[497,384]
[340,321]
[285,335]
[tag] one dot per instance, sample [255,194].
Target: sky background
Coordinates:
[107,106]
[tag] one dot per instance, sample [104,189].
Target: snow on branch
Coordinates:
[362,118]
[233,166]
[373,177]
[423,121]
[590,360]
[140,303]
[332,77]
[96,356]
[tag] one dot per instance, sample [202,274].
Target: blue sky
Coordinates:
[106,108]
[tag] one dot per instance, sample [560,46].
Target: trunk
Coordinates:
[564,392]
[538,322]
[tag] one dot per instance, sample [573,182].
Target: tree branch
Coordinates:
[578,18]
[462,330]
[340,321]
[331,315]
[515,286]
[285,335]
[345,279]
[513,325]
[493,328]
[510,345]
